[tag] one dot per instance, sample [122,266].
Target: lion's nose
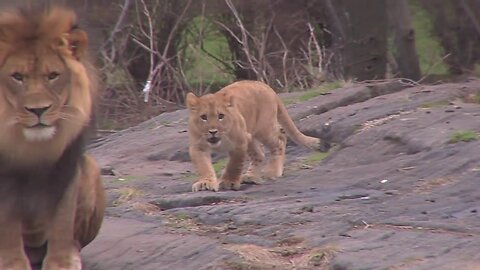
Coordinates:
[38,111]
[213,132]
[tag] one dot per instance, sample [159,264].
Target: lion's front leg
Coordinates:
[203,164]
[63,252]
[90,203]
[231,176]
[12,254]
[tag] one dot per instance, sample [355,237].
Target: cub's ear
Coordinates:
[228,99]
[75,43]
[191,101]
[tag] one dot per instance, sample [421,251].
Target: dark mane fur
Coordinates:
[34,191]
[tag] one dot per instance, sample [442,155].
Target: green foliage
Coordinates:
[200,68]
[430,52]
[463,136]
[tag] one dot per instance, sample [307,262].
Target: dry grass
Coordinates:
[148,209]
[126,194]
[257,257]
[426,186]
[316,259]
[260,256]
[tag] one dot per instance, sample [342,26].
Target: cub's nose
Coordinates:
[213,132]
[38,111]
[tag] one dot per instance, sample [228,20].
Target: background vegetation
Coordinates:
[203,45]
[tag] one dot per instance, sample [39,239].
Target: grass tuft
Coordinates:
[315,158]
[324,88]
[219,165]
[463,136]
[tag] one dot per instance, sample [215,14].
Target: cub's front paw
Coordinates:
[205,184]
[250,178]
[230,185]
[72,262]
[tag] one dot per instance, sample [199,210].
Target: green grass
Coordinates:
[476,98]
[182,216]
[324,88]
[435,104]
[219,165]
[429,50]
[463,136]
[315,158]
[315,92]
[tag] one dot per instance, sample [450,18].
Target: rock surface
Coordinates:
[394,193]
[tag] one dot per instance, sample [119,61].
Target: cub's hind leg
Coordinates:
[256,157]
[276,142]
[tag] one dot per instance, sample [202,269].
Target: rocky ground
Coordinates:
[400,190]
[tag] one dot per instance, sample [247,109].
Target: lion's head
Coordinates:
[46,84]
[212,117]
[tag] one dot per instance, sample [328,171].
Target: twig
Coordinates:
[427,73]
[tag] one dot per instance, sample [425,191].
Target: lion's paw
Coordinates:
[20,263]
[61,263]
[205,184]
[230,185]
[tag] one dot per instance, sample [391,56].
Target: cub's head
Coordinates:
[46,88]
[211,116]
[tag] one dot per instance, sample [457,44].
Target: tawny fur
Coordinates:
[52,199]
[246,116]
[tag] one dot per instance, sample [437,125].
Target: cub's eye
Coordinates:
[221,116]
[17,76]
[203,117]
[53,75]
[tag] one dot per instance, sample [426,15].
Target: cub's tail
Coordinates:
[292,131]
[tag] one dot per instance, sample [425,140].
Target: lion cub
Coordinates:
[240,119]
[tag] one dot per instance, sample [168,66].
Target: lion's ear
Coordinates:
[228,99]
[75,43]
[191,101]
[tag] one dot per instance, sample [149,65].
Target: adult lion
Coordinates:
[51,196]
[239,119]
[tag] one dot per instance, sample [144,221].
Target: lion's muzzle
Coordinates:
[213,140]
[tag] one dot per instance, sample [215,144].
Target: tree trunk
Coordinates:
[458,28]
[405,51]
[360,30]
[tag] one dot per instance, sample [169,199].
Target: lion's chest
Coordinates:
[224,146]
[29,192]
[32,194]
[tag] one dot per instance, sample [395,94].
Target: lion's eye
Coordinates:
[17,76]
[203,117]
[53,75]
[221,116]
